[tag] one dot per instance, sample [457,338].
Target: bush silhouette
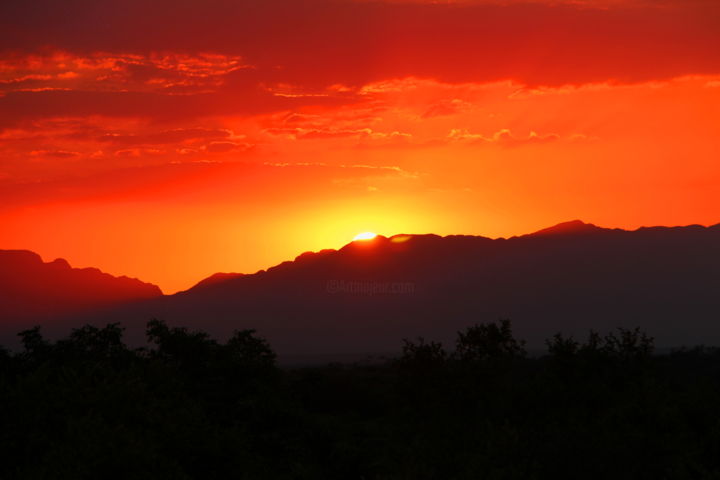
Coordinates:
[190,406]
[422,355]
[488,341]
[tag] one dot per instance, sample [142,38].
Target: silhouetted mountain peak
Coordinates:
[363,244]
[60,263]
[217,278]
[305,256]
[369,294]
[19,259]
[31,287]
[569,228]
[426,251]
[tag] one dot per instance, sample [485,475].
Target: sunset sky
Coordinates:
[168,140]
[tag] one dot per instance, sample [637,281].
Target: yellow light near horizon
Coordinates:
[365,236]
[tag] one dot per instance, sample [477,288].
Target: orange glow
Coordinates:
[171,157]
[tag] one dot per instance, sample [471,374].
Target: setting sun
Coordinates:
[365,236]
[311,230]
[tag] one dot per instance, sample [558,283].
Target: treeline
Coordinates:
[188,406]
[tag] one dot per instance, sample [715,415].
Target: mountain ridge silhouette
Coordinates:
[569,228]
[33,290]
[368,295]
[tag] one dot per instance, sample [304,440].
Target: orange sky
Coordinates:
[169,141]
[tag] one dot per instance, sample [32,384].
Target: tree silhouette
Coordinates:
[245,348]
[191,406]
[422,355]
[488,341]
[33,341]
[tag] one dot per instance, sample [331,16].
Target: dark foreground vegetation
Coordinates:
[190,407]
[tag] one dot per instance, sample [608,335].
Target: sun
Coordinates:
[365,236]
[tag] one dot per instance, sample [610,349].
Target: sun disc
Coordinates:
[365,236]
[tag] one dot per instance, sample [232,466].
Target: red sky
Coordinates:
[169,140]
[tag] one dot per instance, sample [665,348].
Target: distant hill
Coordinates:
[370,294]
[34,291]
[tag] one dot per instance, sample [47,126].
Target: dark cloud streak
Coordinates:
[317,42]
[313,44]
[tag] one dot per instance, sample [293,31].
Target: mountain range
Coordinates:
[369,295]
[33,291]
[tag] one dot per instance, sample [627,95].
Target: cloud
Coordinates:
[105,71]
[319,43]
[503,137]
[163,62]
[178,135]
[55,153]
[329,133]
[446,107]
[19,106]
[224,147]
[239,180]
[128,152]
